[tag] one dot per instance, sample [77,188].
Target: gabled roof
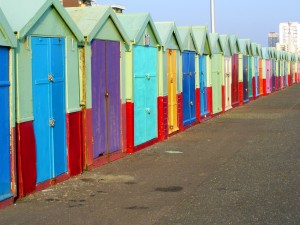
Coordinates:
[202,39]
[244,46]
[259,49]
[135,25]
[23,15]
[9,37]
[254,49]
[265,53]
[215,43]
[91,19]
[165,31]
[272,51]
[226,45]
[185,34]
[235,48]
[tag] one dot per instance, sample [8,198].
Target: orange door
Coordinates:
[172,91]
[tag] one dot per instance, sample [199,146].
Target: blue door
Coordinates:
[203,86]
[145,94]
[5,174]
[256,76]
[48,74]
[245,78]
[188,87]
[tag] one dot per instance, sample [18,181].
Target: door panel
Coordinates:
[188,68]
[203,86]
[145,94]
[58,105]
[227,83]
[106,104]
[250,75]
[114,97]
[216,82]
[49,106]
[172,91]
[5,174]
[235,81]
[98,97]
[245,78]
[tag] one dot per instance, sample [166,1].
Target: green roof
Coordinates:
[135,25]
[9,38]
[265,53]
[244,46]
[201,36]
[235,48]
[185,35]
[23,15]
[226,45]
[215,43]
[91,19]
[166,30]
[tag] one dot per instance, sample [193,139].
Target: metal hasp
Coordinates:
[51,122]
[50,77]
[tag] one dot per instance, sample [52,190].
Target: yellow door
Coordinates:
[172,91]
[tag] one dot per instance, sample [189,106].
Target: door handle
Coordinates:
[52,122]
[148,76]
[148,110]
[191,103]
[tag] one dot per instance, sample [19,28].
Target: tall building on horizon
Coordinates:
[289,36]
[273,39]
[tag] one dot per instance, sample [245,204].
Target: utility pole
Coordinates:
[212,15]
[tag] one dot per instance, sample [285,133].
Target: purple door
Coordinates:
[106,103]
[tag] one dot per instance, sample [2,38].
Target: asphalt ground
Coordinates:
[240,168]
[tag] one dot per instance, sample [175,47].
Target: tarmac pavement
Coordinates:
[240,168]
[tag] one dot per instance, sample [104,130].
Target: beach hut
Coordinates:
[227,79]
[267,81]
[235,49]
[188,76]
[47,100]
[203,79]
[169,78]
[7,114]
[102,83]
[244,65]
[141,80]
[217,72]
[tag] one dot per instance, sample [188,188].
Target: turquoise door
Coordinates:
[48,74]
[203,86]
[5,174]
[145,94]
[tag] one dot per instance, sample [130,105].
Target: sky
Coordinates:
[251,19]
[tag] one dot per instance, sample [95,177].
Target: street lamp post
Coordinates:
[212,15]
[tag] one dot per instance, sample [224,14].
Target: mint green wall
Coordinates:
[153,40]
[172,44]
[12,89]
[49,25]
[109,32]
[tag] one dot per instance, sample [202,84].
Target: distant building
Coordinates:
[77,3]
[273,39]
[289,35]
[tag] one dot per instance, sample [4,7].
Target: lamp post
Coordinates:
[212,15]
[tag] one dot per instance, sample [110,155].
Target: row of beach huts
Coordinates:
[81,87]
